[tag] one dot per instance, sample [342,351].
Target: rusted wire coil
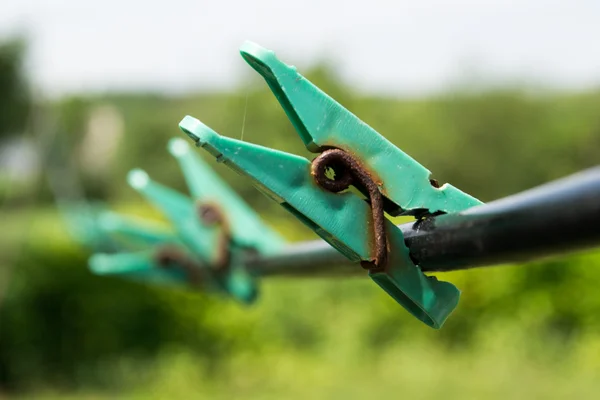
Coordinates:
[173,257]
[348,171]
[211,214]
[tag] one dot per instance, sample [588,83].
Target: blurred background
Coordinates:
[494,97]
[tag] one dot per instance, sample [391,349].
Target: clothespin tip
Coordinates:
[197,131]
[178,147]
[253,52]
[138,178]
[100,264]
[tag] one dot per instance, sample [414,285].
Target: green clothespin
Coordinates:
[217,226]
[144,265]
[358,156]
[106,233]
[202,239]
[247,228]
[169,262]
[323,123]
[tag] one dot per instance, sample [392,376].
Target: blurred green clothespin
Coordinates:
[114,237]
[212,232]
[351,154]
[247,228]
[130,234]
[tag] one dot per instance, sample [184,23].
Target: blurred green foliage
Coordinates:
[535,327]
[490,143]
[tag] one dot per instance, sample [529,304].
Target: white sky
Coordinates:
[399,47]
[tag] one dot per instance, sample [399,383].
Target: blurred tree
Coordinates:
[15,98]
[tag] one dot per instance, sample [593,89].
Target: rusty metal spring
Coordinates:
[348,171]
[211,214]
[172,257]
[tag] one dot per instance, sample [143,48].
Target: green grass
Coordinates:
[418,371]
[326,339]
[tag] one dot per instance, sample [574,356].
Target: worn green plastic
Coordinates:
[247,228]
[321,122]
[182,213]
[190,233]
[129,232]
[201,239]
[142,266]
[104,231]
[341,219]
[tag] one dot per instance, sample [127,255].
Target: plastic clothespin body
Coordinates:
[247,228]
[322,123]
[201,238]
[128,235]
[342,219]
[113,237]
[212,247]
[182,213]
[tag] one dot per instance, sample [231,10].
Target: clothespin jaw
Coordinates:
[201,238]
[160,265]
[247,228]
[107,233]
[323,123]
[217,226]
[342,219]
[211,235]
[128,232]
[172,264]
[393,181]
